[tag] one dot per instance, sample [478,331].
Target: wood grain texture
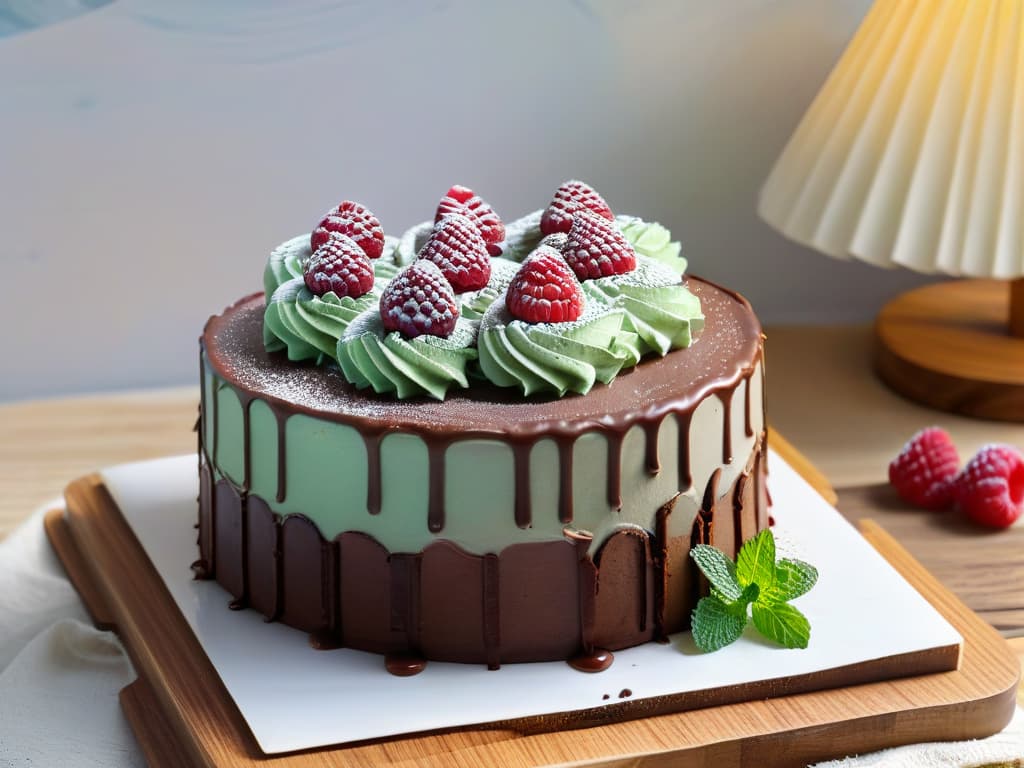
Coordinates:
[46,443]
[948,346]
[1017,307]
[207,730]
[983,567]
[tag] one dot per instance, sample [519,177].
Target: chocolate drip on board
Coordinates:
[403,665]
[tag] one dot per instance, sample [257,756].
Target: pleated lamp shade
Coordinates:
[912,154]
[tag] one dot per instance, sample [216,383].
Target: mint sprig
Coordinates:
[754,580]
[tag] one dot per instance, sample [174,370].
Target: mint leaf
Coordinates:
[782,623]
[792,579]
[755,564]
[716,624]
[719,570]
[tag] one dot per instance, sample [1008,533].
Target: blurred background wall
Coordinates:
[152,153]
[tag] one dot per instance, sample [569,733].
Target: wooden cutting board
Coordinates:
[182,715]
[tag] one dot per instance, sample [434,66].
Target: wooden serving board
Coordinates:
[981,566]
[183,716]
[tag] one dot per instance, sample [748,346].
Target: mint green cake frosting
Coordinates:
[309,326]
[553,357]
[650,239]
[659,309]
[475,303]
[387,362]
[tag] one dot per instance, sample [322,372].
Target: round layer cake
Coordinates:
[487,527]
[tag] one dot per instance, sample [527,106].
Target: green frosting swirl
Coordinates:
[650,239]
[410,243]
[522,236]
[309,326]
[476,303]
[369,356]
[662,313]
[288,259]
[552,357]
[285,263]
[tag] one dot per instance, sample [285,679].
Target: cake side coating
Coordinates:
[484,528]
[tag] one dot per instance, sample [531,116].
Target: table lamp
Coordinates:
[912,155]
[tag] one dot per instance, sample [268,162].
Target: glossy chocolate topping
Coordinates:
[723,353]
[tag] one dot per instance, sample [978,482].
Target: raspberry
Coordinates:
[455,245]
[924,472]
[465,201]
[339,265]
[354,220]
[544,289]
[990,490]
[569,198]
[596,248]
[419,301]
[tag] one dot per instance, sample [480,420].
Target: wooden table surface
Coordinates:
[822,396]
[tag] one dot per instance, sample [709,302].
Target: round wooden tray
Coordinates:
[949,346]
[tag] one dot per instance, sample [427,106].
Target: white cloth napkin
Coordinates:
[60,678]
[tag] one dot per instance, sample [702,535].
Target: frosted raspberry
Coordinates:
[464,201]
[419,301]
[924,472]
[596,248]
[569,198]
[455,245]
[544,289]
[339,265]
[990,490]
[355,221]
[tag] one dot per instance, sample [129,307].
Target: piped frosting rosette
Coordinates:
[651,239]
[389,363]
[474,304]
[308,326]
[553,357]
[662,313]
[316,284]
[522,236]
[288,260]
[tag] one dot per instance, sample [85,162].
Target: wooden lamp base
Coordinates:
[956,346]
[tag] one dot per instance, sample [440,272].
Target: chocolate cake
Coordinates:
[488,522]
